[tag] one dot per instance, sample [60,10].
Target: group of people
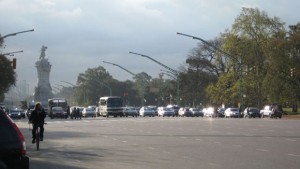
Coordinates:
[76,113]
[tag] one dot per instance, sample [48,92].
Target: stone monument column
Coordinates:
[43,91]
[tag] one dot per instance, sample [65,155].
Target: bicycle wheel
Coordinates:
[37,139]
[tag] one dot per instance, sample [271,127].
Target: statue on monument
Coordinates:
[43,50]
[43,91]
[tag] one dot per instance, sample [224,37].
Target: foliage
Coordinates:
[7,77]
[249,45]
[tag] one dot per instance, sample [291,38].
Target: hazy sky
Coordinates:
[80,34]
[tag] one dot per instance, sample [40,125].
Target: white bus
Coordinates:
[111,106]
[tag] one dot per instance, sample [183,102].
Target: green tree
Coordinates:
[91,85]
[248,46]
[7,76]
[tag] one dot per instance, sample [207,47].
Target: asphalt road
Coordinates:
[166,143]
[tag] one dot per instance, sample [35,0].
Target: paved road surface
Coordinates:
[166,143]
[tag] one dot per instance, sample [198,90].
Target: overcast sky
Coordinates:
[81,34]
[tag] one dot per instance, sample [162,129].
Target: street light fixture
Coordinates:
[176,73]
[14,34]
[218,49]
[133,74]
[68,83]
[20,51]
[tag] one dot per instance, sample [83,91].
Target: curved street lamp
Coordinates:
[10,53]
[238,60]
[174,72]
[14,34]
[133,74]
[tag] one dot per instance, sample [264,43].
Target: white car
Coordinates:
[208,112]
[266,111]
[232,112]
[147,111]
[165,111]
[88,112]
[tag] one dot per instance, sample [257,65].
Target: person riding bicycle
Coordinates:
[37,119]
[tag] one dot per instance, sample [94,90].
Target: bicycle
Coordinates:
[37,136]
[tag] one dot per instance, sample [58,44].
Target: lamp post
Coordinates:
[14,34]
[109,88]
[84,93]
[166,67]
[175,77]
[218,49]
[133,74]
[10,53]
[68,83]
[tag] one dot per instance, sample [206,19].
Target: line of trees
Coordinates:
[253,67]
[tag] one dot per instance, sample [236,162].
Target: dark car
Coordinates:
[251,112]
[15,113]
[12,144]
[58,112]
[130,111]
[185,111]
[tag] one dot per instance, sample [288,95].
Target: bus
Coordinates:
[111,106]
[57,102]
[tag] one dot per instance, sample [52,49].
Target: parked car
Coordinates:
[251,112]
[266,111]
[184,111]
[130,111]
[154,108]
[12,144]
[175,108]
[88,112]
[58,112]
[208,112]
[165,111]
[232,112]
[196,112]
[147,111]
[221,112]
[15,113]
[28,112]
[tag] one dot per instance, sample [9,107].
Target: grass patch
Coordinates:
[289,111]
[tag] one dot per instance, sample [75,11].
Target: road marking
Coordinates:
[268,137]
[294,155]
[186,157]
[214,164]
[264,150]
[166,152]
[199,139]
[288,139]
[151,148]
[124,141]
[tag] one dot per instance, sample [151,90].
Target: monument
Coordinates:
[43,91]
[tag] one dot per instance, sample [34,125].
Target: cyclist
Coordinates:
[37,119]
